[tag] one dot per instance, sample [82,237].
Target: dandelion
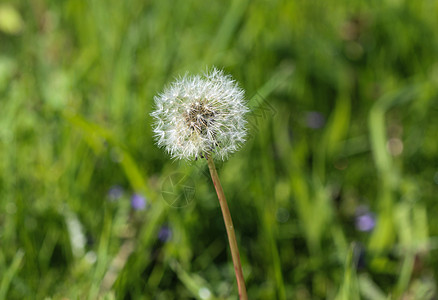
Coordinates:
[198,115]
[204,116]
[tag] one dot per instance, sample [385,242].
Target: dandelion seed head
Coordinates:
[198,115]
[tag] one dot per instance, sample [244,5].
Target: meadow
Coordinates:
[333,195]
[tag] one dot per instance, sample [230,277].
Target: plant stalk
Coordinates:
[230,229]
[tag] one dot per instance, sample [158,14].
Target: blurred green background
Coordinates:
[334,196]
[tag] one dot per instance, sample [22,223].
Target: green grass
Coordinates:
[77,81]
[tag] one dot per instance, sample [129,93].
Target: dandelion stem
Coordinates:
[230,229]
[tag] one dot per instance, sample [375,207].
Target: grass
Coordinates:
[344,120]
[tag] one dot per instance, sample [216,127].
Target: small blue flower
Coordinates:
[314,120]
[138,202]
[115,193]
[365,220]
[164,234]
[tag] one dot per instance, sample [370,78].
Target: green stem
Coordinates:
[230,229]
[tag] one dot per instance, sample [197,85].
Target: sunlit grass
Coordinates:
[343,124]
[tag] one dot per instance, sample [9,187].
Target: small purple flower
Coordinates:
[164,234]
[138,202]
[365,220]
[115,193]
[314,120]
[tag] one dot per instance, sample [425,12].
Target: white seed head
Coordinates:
[201,115]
